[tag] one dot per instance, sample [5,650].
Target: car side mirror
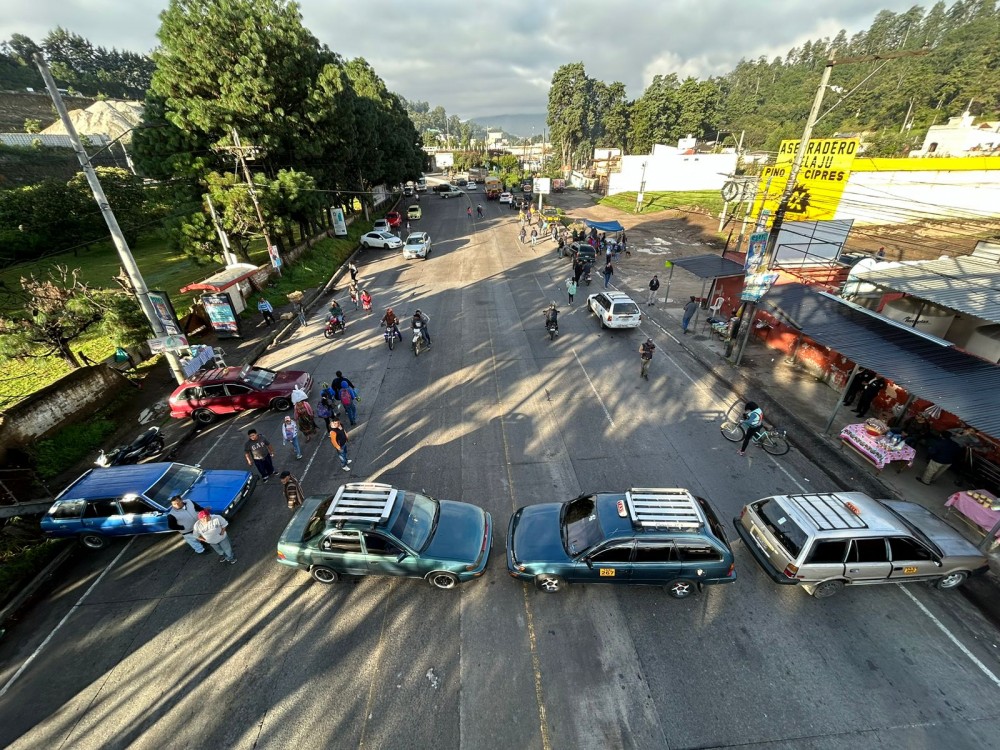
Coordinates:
[590,563]
[400,557]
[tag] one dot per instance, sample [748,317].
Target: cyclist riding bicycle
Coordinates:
[752,423]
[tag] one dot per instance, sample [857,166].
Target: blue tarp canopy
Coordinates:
[605,226]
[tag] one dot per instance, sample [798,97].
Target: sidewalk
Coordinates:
[794,399]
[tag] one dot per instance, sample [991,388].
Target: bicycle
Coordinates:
[772,440]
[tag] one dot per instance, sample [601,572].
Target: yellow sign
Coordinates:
[822,177]
[607,572]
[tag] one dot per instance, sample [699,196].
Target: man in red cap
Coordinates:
[212,531]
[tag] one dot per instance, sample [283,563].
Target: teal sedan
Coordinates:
[646,536]
[368,528]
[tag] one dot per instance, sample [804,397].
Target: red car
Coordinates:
[208,394]
[394,218]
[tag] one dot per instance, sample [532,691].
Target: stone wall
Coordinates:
[72,398]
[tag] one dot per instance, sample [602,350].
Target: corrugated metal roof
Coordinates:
[968,284]
[927,367]
[710,266]
[52,141]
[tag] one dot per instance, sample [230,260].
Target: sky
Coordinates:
[486,59]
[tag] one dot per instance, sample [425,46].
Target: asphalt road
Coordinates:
[147,645]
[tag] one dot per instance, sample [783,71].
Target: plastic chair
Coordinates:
[714,308]
[219,355]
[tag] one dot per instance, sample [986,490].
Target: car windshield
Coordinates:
[415,523]
[579,525]
[177,480]
[411,240]
[785,530]
[258,377]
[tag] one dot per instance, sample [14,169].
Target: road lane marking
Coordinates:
[599,399]
[62,622]
[941,626]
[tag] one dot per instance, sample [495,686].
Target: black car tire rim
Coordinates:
[680,589]
[549,584]
[443,580]
[204,416]
[93,541]
[324,574]
[281,404]
[828,588]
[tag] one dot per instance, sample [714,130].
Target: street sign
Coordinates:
[339,224]
[730,191]
[542,185]
[756,285]
[755,252]
[167,343]
[275,257]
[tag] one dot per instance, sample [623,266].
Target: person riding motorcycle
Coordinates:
[389,320]
[420,322]
[336,312]
[551,316]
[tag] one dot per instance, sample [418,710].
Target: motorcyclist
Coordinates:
[420,322]
[336,313]
[389,320]
[551,316]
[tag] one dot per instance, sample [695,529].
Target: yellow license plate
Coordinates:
[910,569]
[607,572]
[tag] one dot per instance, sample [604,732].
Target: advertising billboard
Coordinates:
[819,185]
[221,314]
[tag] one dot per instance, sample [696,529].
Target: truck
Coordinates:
[493,188]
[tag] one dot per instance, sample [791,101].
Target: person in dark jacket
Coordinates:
[943,453]
[869,393]
[856,385]
[181,518]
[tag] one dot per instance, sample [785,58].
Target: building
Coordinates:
[960,137]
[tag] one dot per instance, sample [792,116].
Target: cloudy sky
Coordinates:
[479,59]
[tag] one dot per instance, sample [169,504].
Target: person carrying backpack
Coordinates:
[347,397]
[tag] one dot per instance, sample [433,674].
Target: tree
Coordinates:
[569,105]
[31,125]
[654,115]
[56,312]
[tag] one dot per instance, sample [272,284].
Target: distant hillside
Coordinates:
[520,125]
[18,106]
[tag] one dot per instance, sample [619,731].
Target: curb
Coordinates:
[29,590]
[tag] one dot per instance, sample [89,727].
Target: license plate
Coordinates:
[607,572]
[910,569]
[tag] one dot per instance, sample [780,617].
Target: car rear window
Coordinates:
[782,526]
[625,308]
[68,509]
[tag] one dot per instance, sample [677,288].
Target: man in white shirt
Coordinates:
[212,530]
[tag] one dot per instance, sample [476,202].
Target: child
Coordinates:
[366,300]
[354,294]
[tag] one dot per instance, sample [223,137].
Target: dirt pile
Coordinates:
[112,118]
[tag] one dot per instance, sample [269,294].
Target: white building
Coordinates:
[668,168]
[960,137]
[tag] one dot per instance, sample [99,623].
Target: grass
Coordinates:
[163,269]
[708,200]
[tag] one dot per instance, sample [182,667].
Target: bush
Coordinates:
[71,445]
[20,561]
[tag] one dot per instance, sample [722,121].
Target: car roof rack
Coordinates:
[673,507]
[829,511]
[363,501]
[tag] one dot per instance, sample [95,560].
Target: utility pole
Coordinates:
[227,251]
[814,116]
[642,189]
[136,281]
[256,204]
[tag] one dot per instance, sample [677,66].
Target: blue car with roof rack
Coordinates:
[128,500]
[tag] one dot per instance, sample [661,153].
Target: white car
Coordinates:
[385,240]
[471,186]
[418,245]
[451,192]
[506,198]
[381,225]
[614,310]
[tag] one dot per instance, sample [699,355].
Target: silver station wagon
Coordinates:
[826,541]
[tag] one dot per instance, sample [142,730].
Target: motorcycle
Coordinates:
[552,326]
[389,334]
[586,276]
[418,343]
[149,443]
[335,324]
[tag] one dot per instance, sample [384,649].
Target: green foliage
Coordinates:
[706,200]
[72,444]
[32,125]
[122,320]
[21,560]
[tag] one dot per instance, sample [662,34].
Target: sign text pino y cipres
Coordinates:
[823,174]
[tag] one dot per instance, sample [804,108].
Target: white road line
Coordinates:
[941,626]
[62,622]
[599,399]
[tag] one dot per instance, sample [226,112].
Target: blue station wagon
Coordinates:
[129,500]
[646,536]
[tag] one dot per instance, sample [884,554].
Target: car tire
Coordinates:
[951,581]
[93,541]
[681,588]
[157,446]
[549,584]
[203,416]
[281,404]
[827,589]
[323,574]
[442,579]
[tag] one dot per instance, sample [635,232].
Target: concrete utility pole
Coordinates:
[814,116]
[124,252]
[253,196]
[642,189]
[227,251]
